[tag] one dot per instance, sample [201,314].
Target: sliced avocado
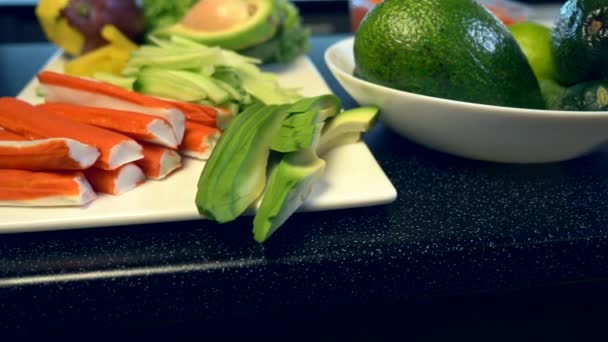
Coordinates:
[346,138]
[289,185]
[346,127]
[301,129]
[353,120]
[235,174]
[260,26]
[298,131]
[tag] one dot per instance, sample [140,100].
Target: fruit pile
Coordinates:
[459,50]
[455,50]
[570,59]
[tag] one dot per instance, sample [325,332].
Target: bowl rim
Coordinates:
[334,68]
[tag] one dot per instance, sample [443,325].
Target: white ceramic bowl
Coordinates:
[492,133]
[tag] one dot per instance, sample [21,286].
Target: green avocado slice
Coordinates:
[235,174]
[289,185]
[261,25]
[347,127]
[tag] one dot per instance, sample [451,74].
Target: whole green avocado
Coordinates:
[579,41]
[586,96]
[453,49]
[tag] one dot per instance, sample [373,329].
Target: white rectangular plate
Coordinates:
[353,178]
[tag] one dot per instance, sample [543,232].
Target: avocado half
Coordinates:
[261,25]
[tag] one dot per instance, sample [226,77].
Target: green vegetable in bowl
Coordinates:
[552,93]
[579,41]
[586,96]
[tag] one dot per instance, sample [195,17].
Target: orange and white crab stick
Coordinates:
[34,123]
[115,182]
[6,135]
[45,154]
[20,188]
[200,114]
[199,141]
[75,90]
[159,161]
[135,125]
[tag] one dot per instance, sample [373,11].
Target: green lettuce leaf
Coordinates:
[290,42]
[162,13]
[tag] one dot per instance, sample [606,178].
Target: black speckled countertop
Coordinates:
[467,246]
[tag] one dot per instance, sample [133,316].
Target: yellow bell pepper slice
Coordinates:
[111,58]
[57,28]
[117,38]
[86,64]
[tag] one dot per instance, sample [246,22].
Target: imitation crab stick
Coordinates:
[75,90]
[43,189]
[159,161]
[45,154]
[115,182]
[199,140]
[6,135]
[135,125]
[34,123]
[200,114]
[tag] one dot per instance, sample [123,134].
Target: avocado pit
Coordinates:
[217,15]
[229,24]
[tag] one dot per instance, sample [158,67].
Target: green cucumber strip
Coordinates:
[235,174]
[203,87]
[232,78]
[130,71]
[165,83]
[182,54]
[175,61]
[289,185]
[215,93]
[179,41]
[182,41]
[233,93]
[123,82]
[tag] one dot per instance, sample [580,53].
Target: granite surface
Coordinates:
[502,240]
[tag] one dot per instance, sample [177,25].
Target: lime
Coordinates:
[535,41]
[552,93]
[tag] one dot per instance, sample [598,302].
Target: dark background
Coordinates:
[574,310]
[18,23]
